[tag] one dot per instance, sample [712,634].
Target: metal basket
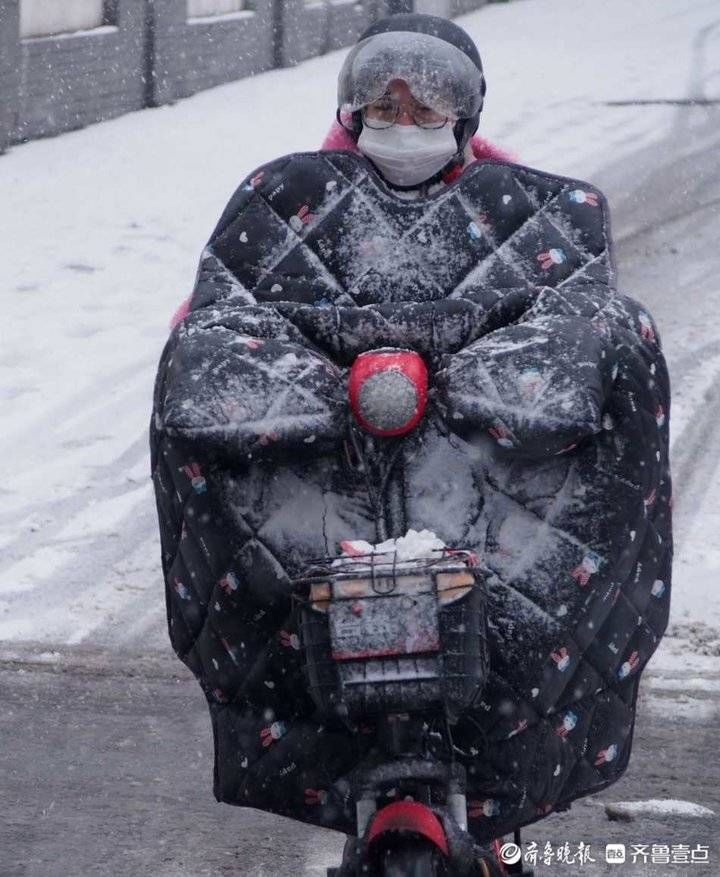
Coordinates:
[381,636]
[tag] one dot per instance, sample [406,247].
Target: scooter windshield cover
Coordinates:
[437,73]
[543,449]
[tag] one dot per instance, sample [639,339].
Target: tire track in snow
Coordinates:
[695,458]
[141,624]
[60,513]
[98,398]
[667,216]
[684,364]
[99,578]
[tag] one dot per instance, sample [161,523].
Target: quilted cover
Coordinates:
[545,448]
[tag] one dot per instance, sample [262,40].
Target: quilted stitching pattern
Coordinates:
[312,262]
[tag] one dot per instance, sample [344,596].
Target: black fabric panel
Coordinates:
[545,448]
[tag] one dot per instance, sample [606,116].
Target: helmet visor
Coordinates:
[438,74]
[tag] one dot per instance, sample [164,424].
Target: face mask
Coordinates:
[407,155]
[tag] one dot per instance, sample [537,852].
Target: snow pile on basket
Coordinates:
[413,545]
[544,449]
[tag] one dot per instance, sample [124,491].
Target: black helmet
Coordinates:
[436,57]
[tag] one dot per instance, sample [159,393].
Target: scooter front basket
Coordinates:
[383,637]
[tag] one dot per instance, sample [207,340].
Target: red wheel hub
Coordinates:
[388,391]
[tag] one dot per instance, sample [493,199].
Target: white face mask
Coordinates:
[407,155]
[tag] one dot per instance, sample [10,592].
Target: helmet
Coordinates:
[437,58]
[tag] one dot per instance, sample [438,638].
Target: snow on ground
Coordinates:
[102,230]
[661,806]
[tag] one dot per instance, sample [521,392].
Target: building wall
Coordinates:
[69,80]
[38,18]
[147,53]
[9,69]
[307,29]
[190,55]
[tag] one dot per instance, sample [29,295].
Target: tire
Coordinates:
[411,857]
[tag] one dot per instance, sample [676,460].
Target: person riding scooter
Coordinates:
[543,447]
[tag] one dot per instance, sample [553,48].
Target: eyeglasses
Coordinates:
[384,112]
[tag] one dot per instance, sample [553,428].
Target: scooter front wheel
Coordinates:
[412,857]
[417,857]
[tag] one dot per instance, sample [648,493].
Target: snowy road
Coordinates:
[120,760]
[101,232]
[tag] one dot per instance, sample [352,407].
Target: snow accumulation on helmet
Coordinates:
[435,57]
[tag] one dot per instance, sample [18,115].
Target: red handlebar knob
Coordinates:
[388,391]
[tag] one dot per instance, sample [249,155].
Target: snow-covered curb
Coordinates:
[628,810]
